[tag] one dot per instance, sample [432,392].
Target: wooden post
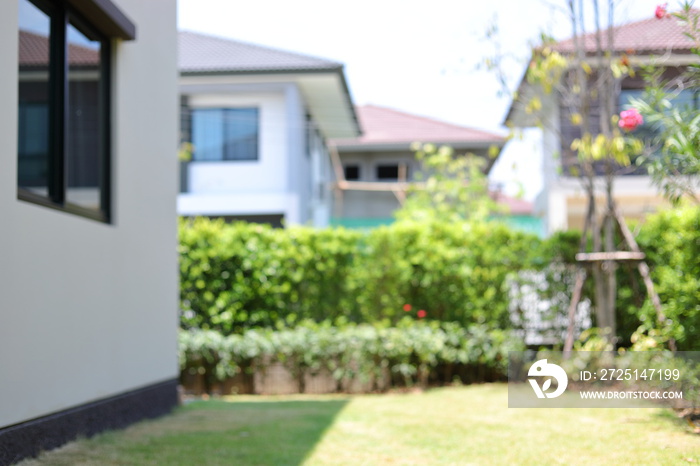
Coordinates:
[642,266]
[578,288]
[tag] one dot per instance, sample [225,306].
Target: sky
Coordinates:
[418,56]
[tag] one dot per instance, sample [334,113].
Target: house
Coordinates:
[258,119]
[563,201]
[88,180]
[372,170]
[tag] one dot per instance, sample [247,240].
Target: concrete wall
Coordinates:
[89,310]
[635,196]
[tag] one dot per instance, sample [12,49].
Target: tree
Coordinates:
[585,73]
[449,188]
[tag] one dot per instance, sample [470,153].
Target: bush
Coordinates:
[411,353]
[671,240]
[239,276]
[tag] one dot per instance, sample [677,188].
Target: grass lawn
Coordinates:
[460,426]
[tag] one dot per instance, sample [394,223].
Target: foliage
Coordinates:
[674,162]
[455,189]
[236,276]
[239,276]
[671,240]
[412,352]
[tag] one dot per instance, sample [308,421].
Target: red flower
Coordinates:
[421,314]
[407,307]
[661,11]
[630,119]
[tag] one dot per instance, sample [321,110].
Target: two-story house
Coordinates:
[563,201]
[88,180]
[258,118]
[373,171]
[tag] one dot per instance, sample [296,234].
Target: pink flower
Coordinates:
[421,314]
[407,307]
[660,11]
[630,119]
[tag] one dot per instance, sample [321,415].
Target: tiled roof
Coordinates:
[385,126]
[650,35]
[34,52]
[203,53]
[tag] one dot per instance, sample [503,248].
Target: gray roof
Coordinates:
[200,53]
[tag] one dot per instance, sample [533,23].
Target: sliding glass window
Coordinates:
[63,110]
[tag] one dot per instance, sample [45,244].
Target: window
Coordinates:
[63,103]
[352,172]
[389,172]
[225,134]
[686,99]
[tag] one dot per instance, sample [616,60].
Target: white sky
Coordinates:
[417,56]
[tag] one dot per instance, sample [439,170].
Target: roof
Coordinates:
[643,37]
[201,53]
[651,36]
[384,127]
[34,52]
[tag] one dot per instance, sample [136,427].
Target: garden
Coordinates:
[412,304]
[390,346]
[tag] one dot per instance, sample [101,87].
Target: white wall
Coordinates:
[89,310]
[648,198]
[268,173]
[279,182]
[321,179]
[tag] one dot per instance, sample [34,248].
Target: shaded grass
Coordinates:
[466,425]
[212,433]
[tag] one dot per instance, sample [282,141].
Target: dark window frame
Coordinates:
[104,21]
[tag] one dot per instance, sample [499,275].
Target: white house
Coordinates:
[563,201]
[258,119]
[88,182]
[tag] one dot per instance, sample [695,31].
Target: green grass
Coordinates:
[465,425]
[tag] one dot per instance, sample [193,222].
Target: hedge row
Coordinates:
[240,276]
[411,353]
[235,277]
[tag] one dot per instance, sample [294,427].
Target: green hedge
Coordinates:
[239,276]
[235,277]
[413,352]
[671,240]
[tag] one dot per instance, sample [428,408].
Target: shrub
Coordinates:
[671,240]
[239,276]
[412,352]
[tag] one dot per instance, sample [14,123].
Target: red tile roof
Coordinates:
[34,52]
[385,126]
[647,36]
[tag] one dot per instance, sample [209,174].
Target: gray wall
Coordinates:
[89,310]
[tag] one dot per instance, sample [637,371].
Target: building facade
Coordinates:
[257,119]
[88,182]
